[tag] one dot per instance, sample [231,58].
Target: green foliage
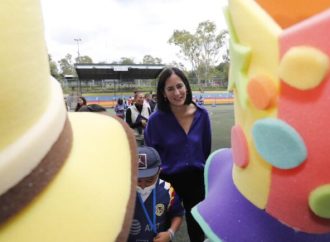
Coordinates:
[178,65]
[66,66]
[126,61]
[148,59]
[53,68]
[187,44]
[84,60]
[223,72]
[202,49]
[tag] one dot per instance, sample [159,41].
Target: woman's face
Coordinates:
[80,101]
[175,91]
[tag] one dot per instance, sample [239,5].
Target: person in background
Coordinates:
[130,101]
[81,102]
[147,99]
[120,108]
[137,117]
[158,210]
[125,102]
[180,131]
[154,102]
[151,100]
[200,101]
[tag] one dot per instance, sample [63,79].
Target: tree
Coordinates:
[85,59]
[226,56]
[178,65]
[223,70]
[209,45]
[126,61]
[188,47]
[201,49]
[66,66]
[148,59]
[53,68]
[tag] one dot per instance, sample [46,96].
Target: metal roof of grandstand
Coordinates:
[117,71]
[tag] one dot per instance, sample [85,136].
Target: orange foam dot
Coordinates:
[262,92]
[289,12]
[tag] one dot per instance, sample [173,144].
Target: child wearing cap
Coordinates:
[158,210]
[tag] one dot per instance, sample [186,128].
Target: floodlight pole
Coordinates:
[78,61]
[78,40]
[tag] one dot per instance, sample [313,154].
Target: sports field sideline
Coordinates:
[209,98]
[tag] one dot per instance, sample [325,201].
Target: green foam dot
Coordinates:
[319,201]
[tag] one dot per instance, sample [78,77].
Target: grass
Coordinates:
[222,119]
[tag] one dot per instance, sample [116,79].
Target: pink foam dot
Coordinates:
[239,146]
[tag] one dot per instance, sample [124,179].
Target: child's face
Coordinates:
[148,181]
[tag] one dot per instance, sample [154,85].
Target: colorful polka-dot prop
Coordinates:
[262,92]
[280,78]
[239,55]
[319,201]
[239,146]
[304,67]
[289,12]
[278,143]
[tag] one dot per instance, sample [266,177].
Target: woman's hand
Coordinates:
[143,123]
[163,237]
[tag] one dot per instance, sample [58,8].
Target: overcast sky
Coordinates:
[111,29]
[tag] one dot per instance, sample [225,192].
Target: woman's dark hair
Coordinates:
[84,100]
[80,105]
[92,108]
[163,104]
[120,101]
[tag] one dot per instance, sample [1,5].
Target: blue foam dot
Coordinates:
[279,143]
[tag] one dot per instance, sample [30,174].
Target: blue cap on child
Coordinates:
[149,162]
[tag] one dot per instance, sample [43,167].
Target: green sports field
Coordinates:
[222,119]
